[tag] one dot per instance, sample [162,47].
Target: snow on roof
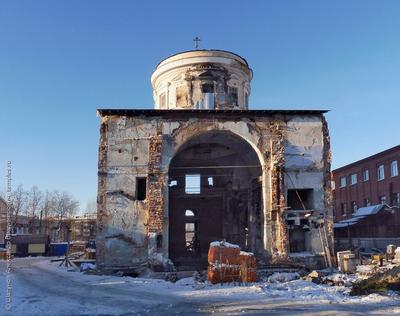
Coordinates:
[361,213]
[348,222]
[368,210]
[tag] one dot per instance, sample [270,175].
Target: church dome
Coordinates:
[202,79]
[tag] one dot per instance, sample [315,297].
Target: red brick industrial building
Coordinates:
[370,181]
[359,189]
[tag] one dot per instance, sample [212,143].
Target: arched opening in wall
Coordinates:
[214,194]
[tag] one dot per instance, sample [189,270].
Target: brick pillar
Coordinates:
[280,235]
[328,201]
[155,186]
[102,213]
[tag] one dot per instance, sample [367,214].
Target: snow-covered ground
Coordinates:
[42,288]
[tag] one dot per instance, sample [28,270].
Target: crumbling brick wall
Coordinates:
[155,199]
[144,146]
[280,234]
[102,185]
[327,158]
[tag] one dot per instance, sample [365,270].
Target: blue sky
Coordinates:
[61,60]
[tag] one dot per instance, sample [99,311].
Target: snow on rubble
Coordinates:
[275,287]
[283,285]
[223,244]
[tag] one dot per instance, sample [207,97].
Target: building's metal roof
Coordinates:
[348,222]
[361,213]
[368,210]
[194,112]
[205,50]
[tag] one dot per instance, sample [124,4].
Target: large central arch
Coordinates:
[214,194]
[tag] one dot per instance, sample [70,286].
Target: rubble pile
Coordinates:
[314,277]
[379,282]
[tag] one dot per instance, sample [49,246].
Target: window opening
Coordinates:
[353,179]
[190,236]
[192,184]
[207,88]
[300,199]
[233,95]
[141,189]
[394,171]
[365,175]
[381,172]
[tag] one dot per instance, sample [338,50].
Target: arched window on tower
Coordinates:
[233,96]
[208,96]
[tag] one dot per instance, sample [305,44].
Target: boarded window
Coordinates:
[141,189]
[300,199]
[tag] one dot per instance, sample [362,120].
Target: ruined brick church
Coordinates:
[202,167]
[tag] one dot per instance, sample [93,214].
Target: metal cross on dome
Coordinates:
[196,40]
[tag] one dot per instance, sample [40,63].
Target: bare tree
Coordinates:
[18,202]
[35,199]
[46,208]
[65,207]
